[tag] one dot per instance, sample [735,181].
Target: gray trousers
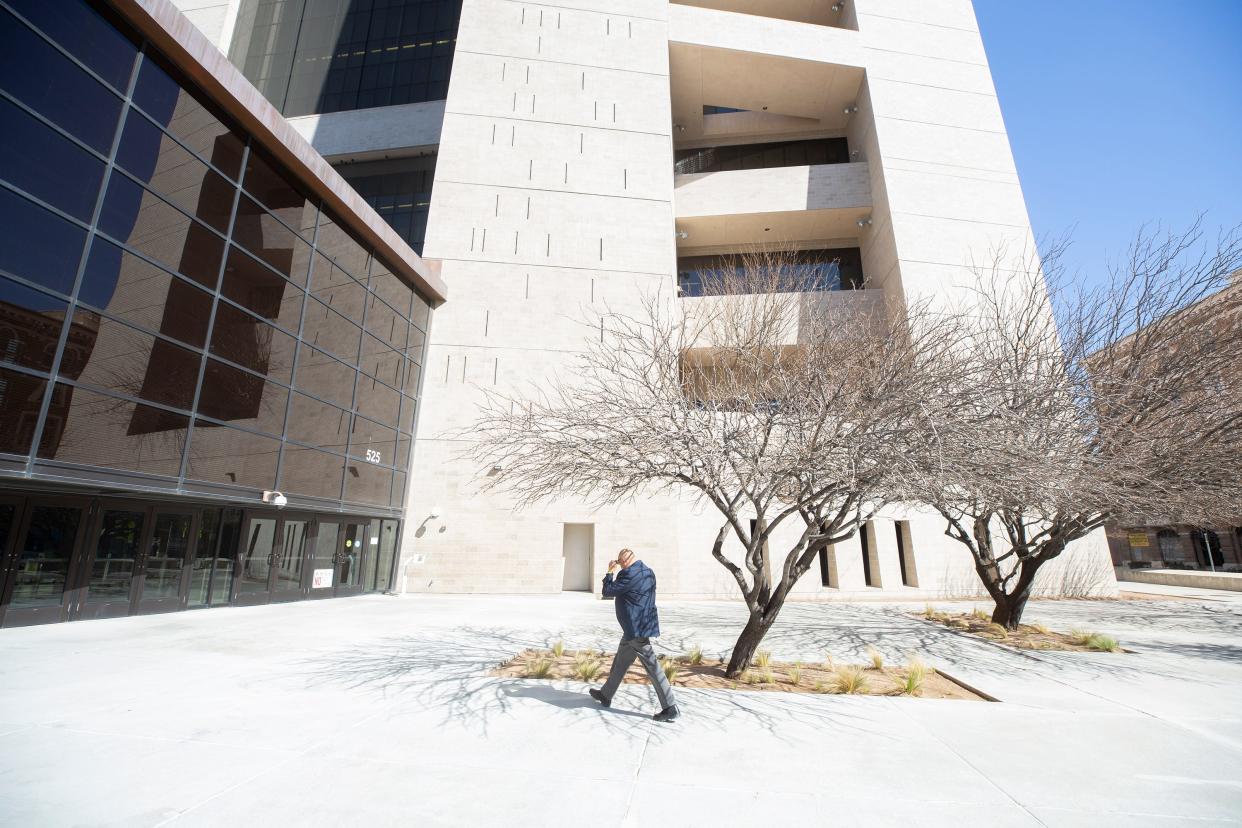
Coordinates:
[639,648]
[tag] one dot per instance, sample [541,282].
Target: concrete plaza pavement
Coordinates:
[377,711]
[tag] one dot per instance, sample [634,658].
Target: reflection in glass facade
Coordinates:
[314,56]
[808,271]
[189,317]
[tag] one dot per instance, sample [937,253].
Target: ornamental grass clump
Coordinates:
[558,649]
[671,668]
[763,659]
[849,680]
[695,656]
[586,669]
[794,673]
[910,682]
[876,659]
[1103,643]
[540,668]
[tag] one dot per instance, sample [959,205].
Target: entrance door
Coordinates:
[322,568]
[577,552]
[289,570]
[10,514]
[111,561]
[35,588]
[215,557]
[252,582]
[165,580]
[350,559]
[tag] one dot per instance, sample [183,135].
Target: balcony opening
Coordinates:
[803,271]
[761,156]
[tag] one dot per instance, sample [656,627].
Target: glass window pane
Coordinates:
[268,183]
[311,473]
[116,551]
[391,289]
[54,261]
[420,315]
[398,491]
[256,230]
[97,430]
[21,397]
[47,165]
[183,115]
[289,557]
[256,555]
[365,483]
[385,553]
[86,34]
[166,556]
[318,424]
[373,442]
[32,71]
[42,569]
[324,377]
[381,361]
[337,289]
[128,361]
[256,287]
[139,292]
[409,408]
[215,556]
[326,329]
[237,396]
[30,323]
[149,225]
[384,322]
[219,454]
[327,544]
[377,401]
[252,343]
[165,167]
[341,247]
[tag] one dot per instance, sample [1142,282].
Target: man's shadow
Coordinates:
[565,699]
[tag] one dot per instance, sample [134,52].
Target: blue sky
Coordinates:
[1120,112]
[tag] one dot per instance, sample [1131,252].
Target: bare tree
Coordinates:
[769,397]
[1125,401]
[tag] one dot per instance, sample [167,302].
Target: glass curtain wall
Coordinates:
[399,190]
[315,56]
[804,271]
[174,308]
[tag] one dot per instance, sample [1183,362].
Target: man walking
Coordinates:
[632,585]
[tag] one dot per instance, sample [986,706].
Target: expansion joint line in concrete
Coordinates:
[638,769]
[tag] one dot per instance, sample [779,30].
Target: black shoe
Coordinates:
[600,697]
[667,714]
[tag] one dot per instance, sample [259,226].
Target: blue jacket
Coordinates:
[634,589]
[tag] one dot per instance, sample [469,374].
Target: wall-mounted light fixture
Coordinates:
[682,234]
[850,109]
[837,6]
[435,513]
[276,499]
[865,221]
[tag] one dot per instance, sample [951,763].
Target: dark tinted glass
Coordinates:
[258,289]
[381,361]
[21,396]
[236,396]
[152,227]
[139,292]
[32,71]
[398,491]
[325,328]
[252,343]
[378,401]
[762,156]
[384,322]
[45,164]
[43,558]
[402,458]
[414,349]
[30,324]
[399,190]
[312,473]
[277,193]
[322,376]
[273,242]
[412,373]
[53,262]
[341,247]
[332,55]
[365,483]
[420,314]
[179,176]
[98,430]
[337,289]
[808,270]
[183,115]
[409,411]
[317,423]
[86,34]
[231,457]
[373,442]
[128,361]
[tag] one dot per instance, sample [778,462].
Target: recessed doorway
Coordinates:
[577,553]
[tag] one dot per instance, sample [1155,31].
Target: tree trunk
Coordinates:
[744,648]
[1009,607]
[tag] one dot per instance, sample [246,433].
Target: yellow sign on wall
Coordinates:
[1139,539]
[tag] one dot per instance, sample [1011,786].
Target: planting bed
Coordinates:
[1027,636]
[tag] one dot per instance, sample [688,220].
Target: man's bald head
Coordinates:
[626,558]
